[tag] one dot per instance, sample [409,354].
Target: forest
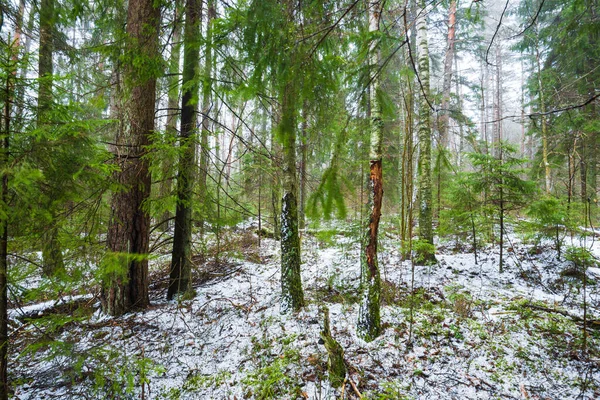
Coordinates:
[299,199]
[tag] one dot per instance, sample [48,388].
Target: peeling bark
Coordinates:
[369,318]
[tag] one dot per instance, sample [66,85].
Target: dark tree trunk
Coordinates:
[181,263]
[126,285]
[172,104]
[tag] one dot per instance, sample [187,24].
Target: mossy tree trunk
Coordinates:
[336,366]
[125,284]
[424,133]
[292,296]
[181,262]
[369,321]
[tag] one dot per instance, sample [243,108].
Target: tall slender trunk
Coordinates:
[51,248]
[424,132]
[542,104]
[206,107]
[275,176]
[369,314]
[292,296]
[303,160]
[181,263]
[126,283]
[498,104]
[173,105]
[447,82]
[11,61]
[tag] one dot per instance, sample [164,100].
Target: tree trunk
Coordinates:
[424,131]
[303,160]
[10,61]
[126,282]
[292,296]
[369,315]
[447,83]
[181,263]
[172,104]
[206,107]
[542,104]
[51,248]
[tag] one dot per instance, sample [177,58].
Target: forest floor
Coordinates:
[475,333]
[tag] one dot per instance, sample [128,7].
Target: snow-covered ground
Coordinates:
[475,333]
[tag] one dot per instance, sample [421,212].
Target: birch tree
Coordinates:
[424,194]
[369,319]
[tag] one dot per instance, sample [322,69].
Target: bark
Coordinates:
[126,282]
[336,366]
[292,296]
[424,132]
[172,104]
[369,314]
[447,82]
[181,263]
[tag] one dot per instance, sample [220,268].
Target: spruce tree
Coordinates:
[125,284]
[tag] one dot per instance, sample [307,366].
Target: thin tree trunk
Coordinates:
[181,263]
[447,83]
[292,296]
[51,248]
[424,131]
[11,61]
[542,104]
[126,284]
[303,160]
[206,107]
[172,104]
[369,318]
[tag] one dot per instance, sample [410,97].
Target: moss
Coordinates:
[336,367]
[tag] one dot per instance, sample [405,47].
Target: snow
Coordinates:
[470,338]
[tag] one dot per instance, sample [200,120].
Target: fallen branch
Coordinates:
[576,318]
[355,388]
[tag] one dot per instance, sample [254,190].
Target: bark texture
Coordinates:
[125,285]
[292,296]
[424,133]
[369,317]
[181,262]
[336,366]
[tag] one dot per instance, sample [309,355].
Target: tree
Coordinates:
[424,133]
[125,284]
[181,262]
[369,319]
[498,181]
[292,296]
